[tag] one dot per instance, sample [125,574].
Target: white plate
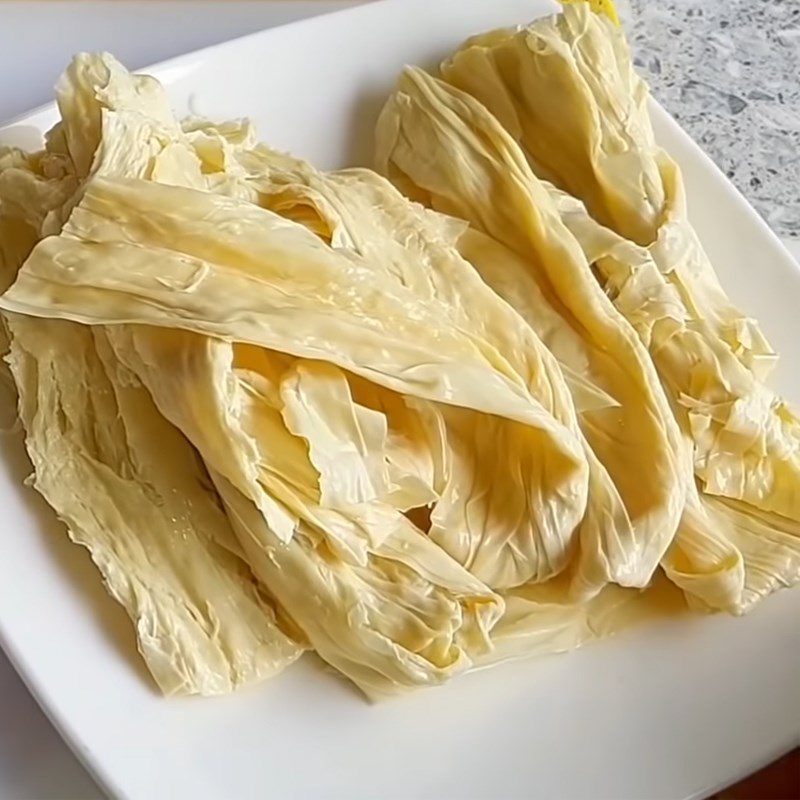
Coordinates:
[673,710]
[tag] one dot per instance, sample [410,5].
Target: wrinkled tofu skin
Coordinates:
[127,484]
[746,450]
[441,145]
[131,490]
[399,422]
[629,215]
[349,533]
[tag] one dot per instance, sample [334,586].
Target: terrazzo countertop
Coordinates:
[729,72]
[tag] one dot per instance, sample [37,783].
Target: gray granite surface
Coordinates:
[729,71]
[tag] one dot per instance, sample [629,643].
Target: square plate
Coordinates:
[672,710]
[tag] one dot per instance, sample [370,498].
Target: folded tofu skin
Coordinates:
[622,198]
[488,402]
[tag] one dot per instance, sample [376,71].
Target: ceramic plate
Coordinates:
[673,710]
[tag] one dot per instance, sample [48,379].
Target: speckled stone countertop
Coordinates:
[729,71]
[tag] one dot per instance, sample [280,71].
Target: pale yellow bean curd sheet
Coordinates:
[490,401]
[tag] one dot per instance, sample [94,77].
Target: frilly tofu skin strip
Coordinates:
[564,87]
[769,546]
[606,7]
[359,210]
[114,262]
[179,265]
[537,620]
[18,236]
[746,439]
[117,123]
[442,146]
[709,356]
[409,618]
[755,459]
[150,518]
[346,443]
[391,612]
[435,653]
[491,526]
[131,490]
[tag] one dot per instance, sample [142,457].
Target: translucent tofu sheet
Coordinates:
[149,515]
[150,518]
[443,146]
[233,401]
[401,425]
[746,438]
[711,358]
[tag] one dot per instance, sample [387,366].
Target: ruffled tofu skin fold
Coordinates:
[111,264]
[132,491]
[127,484]
[415,247]
[312,322]
[441,146]
[604,154]
[564,88]
[409,424]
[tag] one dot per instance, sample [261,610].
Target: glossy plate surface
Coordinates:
[673,710]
